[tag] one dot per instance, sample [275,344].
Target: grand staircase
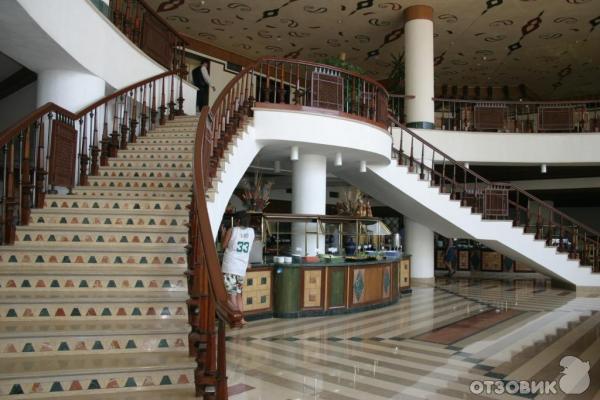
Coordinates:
[93,292]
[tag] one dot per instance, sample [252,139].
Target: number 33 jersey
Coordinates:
[237,252]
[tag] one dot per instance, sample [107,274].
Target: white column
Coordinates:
[419,244]
[309,194]
[72,90]
[418,66]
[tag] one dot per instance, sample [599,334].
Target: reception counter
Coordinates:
[312,289]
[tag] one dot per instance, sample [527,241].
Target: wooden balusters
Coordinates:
[114,146]
[9,198]
[153,109]
[124,122]
[40,172]
[83,157]
[94,150]
[104,153]
[422,173]
[180,99]
[144,114]
[162,107]
[133,122]
[172,99]
[26,185]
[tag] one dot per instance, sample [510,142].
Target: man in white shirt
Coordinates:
[237,243]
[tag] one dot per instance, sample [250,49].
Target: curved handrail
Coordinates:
[44,146]
[498,200]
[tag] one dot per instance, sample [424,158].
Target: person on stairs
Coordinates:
[237,243]
[201,79]
[450,258]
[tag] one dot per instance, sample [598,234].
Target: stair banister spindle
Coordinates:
[411,160]
[401,152]
[10,204]
[422,173]
[221,362]
[124,123]
[4,191]
[161,119]
[172,99]
[538,223]
[180,99]
[47,164]
[18,176]
[105,139]
[83,157]
[153,110]
[114,145]
[94,150]
[433,168]
[476,197]
[561,236]
[26,186]
[144,112]
[463,198]
[133,122]
[275,83]
[40,171]
[550,229]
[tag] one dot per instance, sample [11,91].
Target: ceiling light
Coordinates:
[294,153]
[277,167]
[544,168]
[338,159]
[467,165]
[363,166]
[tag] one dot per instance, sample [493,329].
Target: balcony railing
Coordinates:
[510,116]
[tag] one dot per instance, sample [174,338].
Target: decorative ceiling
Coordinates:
[551,46]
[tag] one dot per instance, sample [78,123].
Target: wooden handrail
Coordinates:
[526,102]
[164,22]
[473,186]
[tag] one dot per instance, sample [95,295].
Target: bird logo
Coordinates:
[575,377]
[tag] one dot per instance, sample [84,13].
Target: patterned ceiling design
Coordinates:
[551,46]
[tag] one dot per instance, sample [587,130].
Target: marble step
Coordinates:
[151,155]
[160,147]
[75,338]
[96,374]
[141,172]
[110,218]
[165,140]
[151,164]
[114,203]
[92,305]
[95,191]
[88,254]
[140,183]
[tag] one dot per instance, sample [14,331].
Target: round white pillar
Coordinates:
[309,194]
[72,90]
[418,66]
[419,244]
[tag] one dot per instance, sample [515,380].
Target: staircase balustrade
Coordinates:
[498,201]
[510,116]
[148,30]
[53,147]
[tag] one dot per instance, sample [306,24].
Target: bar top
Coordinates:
[330,264]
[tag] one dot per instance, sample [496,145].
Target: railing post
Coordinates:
[221,362]
[40,172]
[163,106]
[9,215]
[83,157]
[114,145]
[26,185]
[94,148]
[144,115]
[153,110]
[104,152]
[172,98]
[124,128]
[180,99]
[134,122]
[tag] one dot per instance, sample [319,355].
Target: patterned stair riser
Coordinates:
[79,385]
[159,140]
[145,221]
[74,283]
[23,347]
[119,204]
[130,155]
[80,258]
[37,238]
[139,173]
[70,312]
[163,165]
[145,147]
[141,183]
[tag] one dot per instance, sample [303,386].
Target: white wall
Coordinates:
[17,105]
[218,75]
[515,148]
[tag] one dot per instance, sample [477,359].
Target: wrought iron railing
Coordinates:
[496,200]
[53,147]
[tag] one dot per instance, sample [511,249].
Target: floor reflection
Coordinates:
[430,345]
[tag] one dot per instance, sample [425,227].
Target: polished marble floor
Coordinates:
[432,344]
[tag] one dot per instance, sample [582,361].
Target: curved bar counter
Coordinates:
[314,289]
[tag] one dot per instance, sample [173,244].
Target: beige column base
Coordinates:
[422,282]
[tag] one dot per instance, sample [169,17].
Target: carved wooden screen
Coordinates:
[495,202]
[489,118]
[555,118]
[63,153]
[327,91]
[155,41]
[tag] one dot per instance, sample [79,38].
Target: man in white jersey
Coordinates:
[237,243]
